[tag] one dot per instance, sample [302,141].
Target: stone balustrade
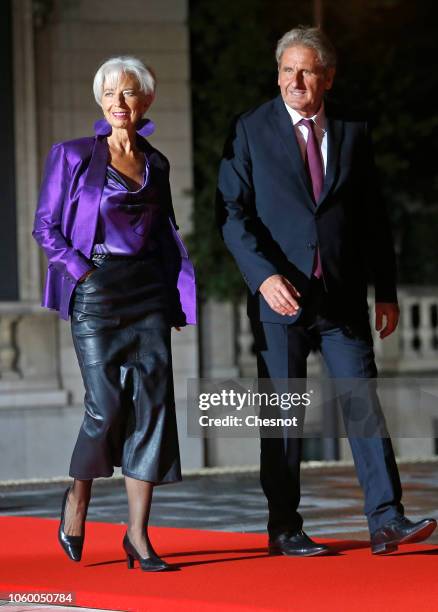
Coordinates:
[29,365]
[412,348]
[11,313]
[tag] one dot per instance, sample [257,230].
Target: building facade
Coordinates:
[53,49]
[50,52]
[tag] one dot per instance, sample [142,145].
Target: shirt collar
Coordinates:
[319,118]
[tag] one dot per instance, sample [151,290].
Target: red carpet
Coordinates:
[218,572]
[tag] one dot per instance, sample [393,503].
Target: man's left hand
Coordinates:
[391,312]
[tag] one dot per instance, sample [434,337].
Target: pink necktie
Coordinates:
[313,162]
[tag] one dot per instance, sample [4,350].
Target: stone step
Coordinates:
[36,397]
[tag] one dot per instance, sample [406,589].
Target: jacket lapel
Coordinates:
[88,206]
[285,130]
[89,200]
[335,131]
[159,177]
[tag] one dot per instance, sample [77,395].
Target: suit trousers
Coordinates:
[282,351]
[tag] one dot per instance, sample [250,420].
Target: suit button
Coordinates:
[311,245]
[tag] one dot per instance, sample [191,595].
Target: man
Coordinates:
[300,211]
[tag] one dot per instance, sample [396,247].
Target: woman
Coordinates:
[118,268]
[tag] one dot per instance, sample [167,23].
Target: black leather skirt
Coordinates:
[121,334]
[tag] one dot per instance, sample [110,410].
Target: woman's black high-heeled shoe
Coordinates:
[153,563]
[71,544]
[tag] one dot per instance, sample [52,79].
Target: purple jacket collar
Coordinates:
[145,128]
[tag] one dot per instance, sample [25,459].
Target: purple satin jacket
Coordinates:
[68,210]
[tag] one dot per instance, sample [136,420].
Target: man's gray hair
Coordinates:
[113,68]
[308,37]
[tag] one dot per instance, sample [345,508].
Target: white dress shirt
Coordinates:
[302,131]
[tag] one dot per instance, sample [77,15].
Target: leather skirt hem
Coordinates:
[163,481]
[142,477]
[90,476]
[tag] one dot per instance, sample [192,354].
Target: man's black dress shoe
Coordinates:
[72,545]
[400,531]
[296,544]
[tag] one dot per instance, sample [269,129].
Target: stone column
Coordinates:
[25,150]
[8,347]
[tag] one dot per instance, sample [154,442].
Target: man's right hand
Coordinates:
[280,294]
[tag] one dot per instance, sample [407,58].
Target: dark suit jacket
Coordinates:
[271,224]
